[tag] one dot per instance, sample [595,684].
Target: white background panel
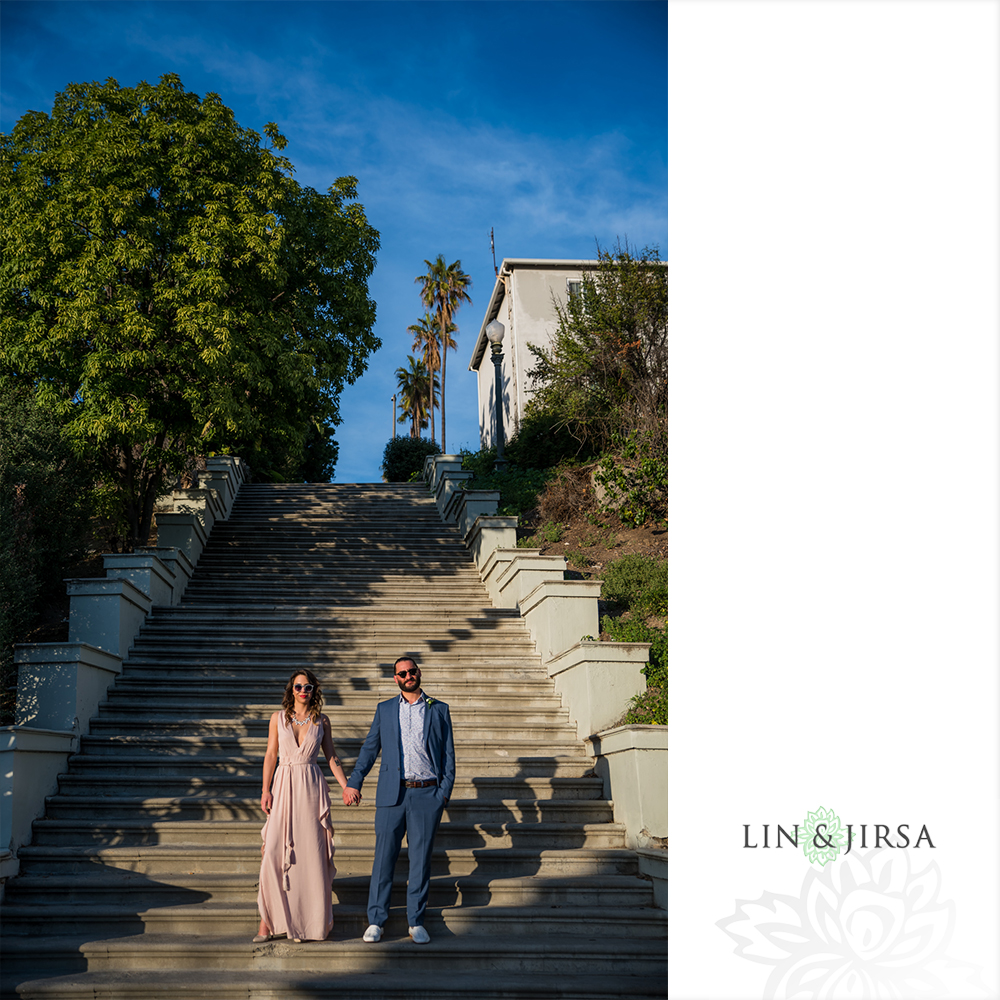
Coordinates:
[835,460]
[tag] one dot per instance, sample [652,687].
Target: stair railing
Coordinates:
[595,680]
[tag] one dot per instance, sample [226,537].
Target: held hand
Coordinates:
[351,796]
[266,800]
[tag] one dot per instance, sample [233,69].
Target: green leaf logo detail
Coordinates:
[824,836]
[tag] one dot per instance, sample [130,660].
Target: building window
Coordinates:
[574,288]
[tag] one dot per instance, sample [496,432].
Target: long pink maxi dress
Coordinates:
[296,868]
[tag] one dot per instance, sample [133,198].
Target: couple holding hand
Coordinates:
[413,734]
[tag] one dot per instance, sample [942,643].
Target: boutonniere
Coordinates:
[429,701]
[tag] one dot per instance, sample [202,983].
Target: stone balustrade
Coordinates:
[60,685]
[596,680]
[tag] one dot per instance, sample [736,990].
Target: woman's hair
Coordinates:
[315,702]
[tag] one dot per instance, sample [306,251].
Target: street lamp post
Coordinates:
[494,333]
[394,418]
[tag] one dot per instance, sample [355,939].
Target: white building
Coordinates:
[524,300]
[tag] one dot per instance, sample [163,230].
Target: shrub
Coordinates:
[405,455]
[648,708]
[518,488]
[568,495]
[636,582]
[552,532]
[542,443]
[632,482]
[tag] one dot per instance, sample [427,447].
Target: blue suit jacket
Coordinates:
[384,736]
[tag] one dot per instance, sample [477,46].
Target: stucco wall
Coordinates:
[528,313]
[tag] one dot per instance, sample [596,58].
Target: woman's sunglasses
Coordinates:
[304,687]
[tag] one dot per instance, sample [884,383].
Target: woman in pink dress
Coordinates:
[296,868]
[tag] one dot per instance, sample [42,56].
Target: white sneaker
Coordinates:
[373,934]
[419,935]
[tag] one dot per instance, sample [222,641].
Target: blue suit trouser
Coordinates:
[417,815]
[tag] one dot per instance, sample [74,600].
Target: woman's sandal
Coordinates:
[261,938]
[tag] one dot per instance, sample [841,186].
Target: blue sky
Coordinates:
[544,120]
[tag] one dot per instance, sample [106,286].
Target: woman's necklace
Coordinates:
[295,722]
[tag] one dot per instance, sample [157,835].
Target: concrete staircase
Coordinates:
[141,878]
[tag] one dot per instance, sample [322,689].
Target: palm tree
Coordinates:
[443,289]
[413,385]
[425,340]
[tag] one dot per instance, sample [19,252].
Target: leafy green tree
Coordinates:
[443,288]
[605,375]
[168,289]
[414,393]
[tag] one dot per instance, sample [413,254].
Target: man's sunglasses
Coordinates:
[304,687]
[406,673]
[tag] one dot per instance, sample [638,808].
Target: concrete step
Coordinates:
[304,985]
[239,579]
[108,810]
[205,918]
[156,967]
[347,603]
[470,766]
[341,608]
[110,887]
[461,664]
[237,832]
[478,638]
[128,724]
[156,859]
[241,700]
[525,740]
[152,682]
[222,786]
[462,643]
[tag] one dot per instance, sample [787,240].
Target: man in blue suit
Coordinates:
[415,780]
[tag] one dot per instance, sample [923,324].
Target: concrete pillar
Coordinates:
[225,474]
[146,570]
[184,532]
[632,760]
[525,572]
[60,684]
[437,465]
[176,563]
[653,864]
[206,504]
[447,484]
[560,614]
[106,613]
[598,680]
[470,504]
[487,534]
[31,761]
[494,567]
